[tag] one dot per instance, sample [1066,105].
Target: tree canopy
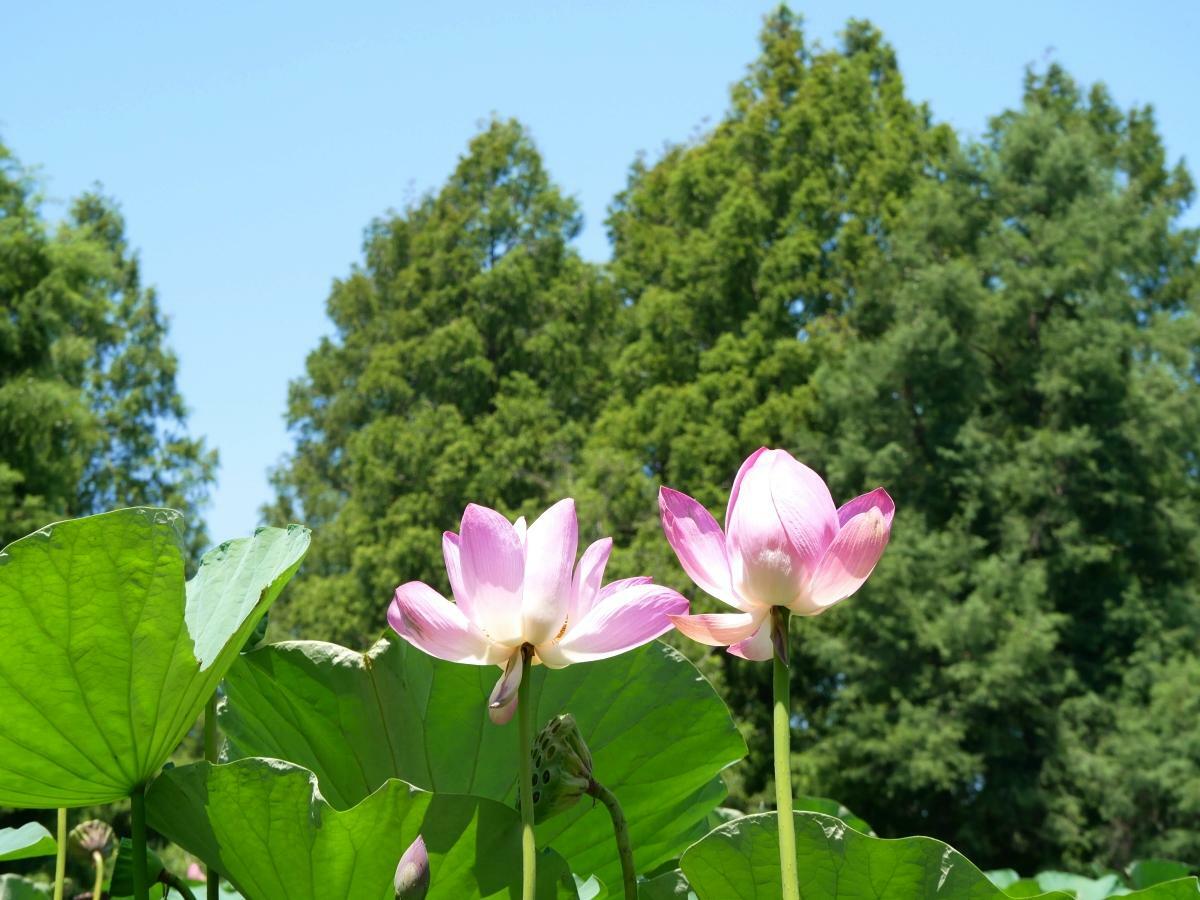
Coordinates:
[90,415]
[471,350]
[1002,332]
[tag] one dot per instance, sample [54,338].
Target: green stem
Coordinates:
[783,758]
[98,884]
[141,881]
[60,861]
[621,829]
[212,885]
[524,721]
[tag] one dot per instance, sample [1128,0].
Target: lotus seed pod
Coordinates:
[412,873]
[562,768]
[93,836]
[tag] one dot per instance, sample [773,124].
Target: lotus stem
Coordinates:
[621,829]
[212,883]
[141,881]
[525,728]
[98,864]
[780,616]
[60,859]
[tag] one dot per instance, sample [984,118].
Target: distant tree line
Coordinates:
[90,415]
[1003,332]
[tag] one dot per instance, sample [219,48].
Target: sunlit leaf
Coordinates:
[669,885]
[31,839]
[828,807]
[14,887]
[658,733]
[108,656]
[265,826]
[1149,872]
[740,861]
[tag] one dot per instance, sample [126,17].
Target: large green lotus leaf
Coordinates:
[828,807]
[1083,888]
[228,892]
[669,885]
[658,732]
[1179,889]
[109,657]
[1078,886]
[31,839]
[14,887]
[740,861]
[265,826]
[1149,872]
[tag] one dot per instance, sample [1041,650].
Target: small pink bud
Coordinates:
[412,873]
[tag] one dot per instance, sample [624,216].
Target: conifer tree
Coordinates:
[90,415]
[470,353]
[1002,334]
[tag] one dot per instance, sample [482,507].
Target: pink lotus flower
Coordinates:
[785,544]
[412,872]
[515,586]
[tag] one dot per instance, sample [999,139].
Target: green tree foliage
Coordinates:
[728,251]
[1023,373]
[90,416]
[1003,333]
[470,354]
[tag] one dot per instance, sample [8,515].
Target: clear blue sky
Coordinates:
[250,143]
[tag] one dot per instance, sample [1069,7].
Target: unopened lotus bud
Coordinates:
[562,768]
[412,873]
[92,837]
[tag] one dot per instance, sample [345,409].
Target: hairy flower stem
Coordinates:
[783,756]
[141,881]
[98,865]
[60,861]
[212,878]
[525,726]
[621,829]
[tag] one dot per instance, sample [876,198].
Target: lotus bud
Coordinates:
[92,837]
[412,873]
[562,768]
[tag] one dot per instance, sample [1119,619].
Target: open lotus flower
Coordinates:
[515,586]
[784,544]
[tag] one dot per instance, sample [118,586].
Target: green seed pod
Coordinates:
[562,768]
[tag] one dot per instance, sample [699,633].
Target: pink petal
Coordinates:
[620,584]
[758,646]
[627,619]
[745,467]
[502,715]
[850,559]
[806,509]
[763,563]
[697,540]
[719,629]
[503,699]
[585,589]
[451,554]
[550,547]
[493,569]
[519,528]
[876,499]
[429,621]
